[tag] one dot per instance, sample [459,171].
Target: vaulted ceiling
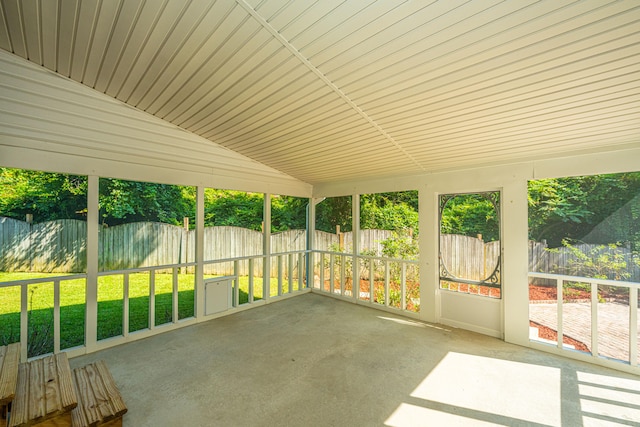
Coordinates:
[334,90]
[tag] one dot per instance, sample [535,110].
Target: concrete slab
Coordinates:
[316,361]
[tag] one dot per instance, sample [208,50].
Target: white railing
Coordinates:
[383,283]
[151,300]
[151,322]
[24,307]
[290,275]
[290,280]
[630,329]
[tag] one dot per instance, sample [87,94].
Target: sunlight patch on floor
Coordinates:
[604,400]
[413,323]
[416,416]
[518,390]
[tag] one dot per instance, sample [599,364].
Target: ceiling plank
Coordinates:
[14,19]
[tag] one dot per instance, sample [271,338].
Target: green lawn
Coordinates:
[110,306]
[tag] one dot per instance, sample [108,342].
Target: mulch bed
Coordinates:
[551,335]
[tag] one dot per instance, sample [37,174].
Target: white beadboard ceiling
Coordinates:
[334,90]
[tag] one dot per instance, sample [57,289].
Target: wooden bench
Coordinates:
[9,361]
[44,394]
[99,401]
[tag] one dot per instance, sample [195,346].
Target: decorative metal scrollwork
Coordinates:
[493,280]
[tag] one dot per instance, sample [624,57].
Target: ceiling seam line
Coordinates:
[325,79]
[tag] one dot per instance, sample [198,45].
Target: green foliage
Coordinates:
[242,209]
[334,211]
[288,213]
[382,211]
[558,208]
[132,201]
[400,246]
[389,211]
[233,208]
[599,262]
[395,295]
[47,196]
[470,215]
[571,207]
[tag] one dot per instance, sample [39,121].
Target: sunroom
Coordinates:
[336,101]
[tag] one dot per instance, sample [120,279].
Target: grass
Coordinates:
[110,306]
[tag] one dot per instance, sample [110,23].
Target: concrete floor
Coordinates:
[316,361]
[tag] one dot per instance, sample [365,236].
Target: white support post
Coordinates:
[311,274]
[311,237]
[559,313]
[56,316]
[91,319]
[633,326]
[290,272]
[24,321]
[403,286]
[251,273]
[199,279]
[386,283]
[332,278]
[321,284]
[125,305]
[174,300]
[236,285]
[355,227]
[152,299]
[280,275]
[343,275]
[301,264]
[594,319]
[515,256]
[266,247]
[428,244]
[371,280]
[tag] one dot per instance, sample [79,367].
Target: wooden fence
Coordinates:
[52,246]
[60,246]
[601,257]
[469,257]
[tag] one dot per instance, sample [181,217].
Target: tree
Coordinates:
[334,211]
[132,201]
[288,213]
[571,207]
[470,215]
[388,211]
[233,208]
[46,196]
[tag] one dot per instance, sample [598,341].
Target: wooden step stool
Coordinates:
[9,361]
[99,401]
[44,394]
